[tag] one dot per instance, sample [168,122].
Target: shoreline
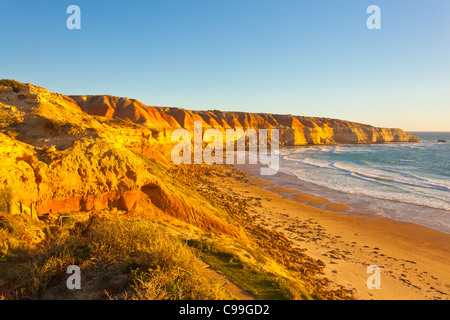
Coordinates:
[413,259]
[288,185]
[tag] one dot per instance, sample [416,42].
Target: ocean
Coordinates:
[403,181]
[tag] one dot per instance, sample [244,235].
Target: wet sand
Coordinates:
[414,260]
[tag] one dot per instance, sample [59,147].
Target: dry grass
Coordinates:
[146,263]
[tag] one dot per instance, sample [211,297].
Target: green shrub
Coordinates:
[5,198]
[11,83]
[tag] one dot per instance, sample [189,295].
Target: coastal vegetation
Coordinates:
[124,257]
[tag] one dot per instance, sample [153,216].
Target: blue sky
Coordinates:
[314,58]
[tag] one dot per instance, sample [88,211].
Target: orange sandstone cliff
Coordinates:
[58,159]
[64,154]
[294,130]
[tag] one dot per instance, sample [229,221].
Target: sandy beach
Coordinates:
[413,259]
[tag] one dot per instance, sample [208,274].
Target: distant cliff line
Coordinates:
[294,130]
[162,121]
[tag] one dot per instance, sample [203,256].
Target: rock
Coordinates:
[294,130]
[4,89]
[442,140]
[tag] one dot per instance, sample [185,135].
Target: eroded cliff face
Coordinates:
[56,159]
[63,154]
[294,130]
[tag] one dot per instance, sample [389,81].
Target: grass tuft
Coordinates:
[119,258]
[11,83]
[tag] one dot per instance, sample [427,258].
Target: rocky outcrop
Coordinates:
[56,158]
[127,109]
[294,130]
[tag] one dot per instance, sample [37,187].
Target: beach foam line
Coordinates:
[428,200]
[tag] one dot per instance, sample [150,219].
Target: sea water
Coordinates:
[403,181]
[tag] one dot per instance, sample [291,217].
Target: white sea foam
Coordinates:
[427,200]
[371,174]
[371,171]
[408,182]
